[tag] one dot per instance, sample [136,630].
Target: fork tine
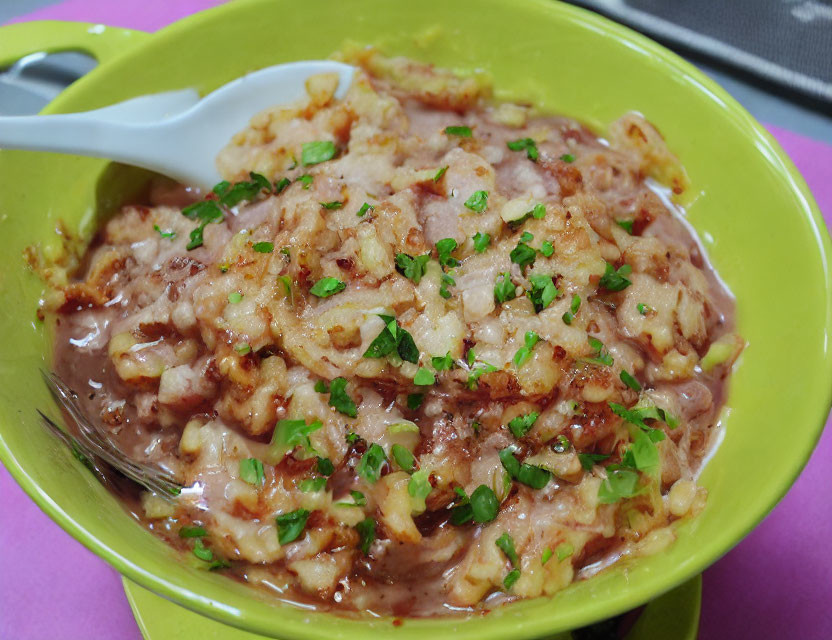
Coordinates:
[100,446]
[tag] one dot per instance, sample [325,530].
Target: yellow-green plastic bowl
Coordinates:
[747,202]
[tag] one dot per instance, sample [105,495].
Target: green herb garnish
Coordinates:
[414,400]
[530,475]
[367,533]
[627,225]
[235,297]
[393,338]
[547,249]
[335,204]
[546,555]
[615,280]
[251,471]
[312,485]
[563,551]
[358,500]
[340,400]
[620,484]
[525,352]
[305,180]
[523,255]
[478,201]
[573,309]
[512,577]
[424,377]
[543,291]
[263,247]
[461,131]
[419,488]
[164,234]
[281,184]
[364,209]
[243,348]
[369,467]
[443,363]
[630,381]
[321,387]
[506,544]
[444,247]
[561,444]
[326,287]
[644,309]
[504,288]
[567,157]
[404,458]
[588,460]
[525,144]
[325,466]
[289,434]
[521,425]
[484,504]
[602,356]
[290,525]
[410,267]
[192,532]
[481,241]
[317,152]
[439,174]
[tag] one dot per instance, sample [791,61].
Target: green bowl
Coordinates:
[749,205]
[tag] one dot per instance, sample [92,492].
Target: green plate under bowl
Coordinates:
[747,202]
[672,616]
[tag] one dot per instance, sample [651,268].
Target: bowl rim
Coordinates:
[635,595]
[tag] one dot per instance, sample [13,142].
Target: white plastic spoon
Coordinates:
[176,133]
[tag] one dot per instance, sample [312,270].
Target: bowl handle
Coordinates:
[51,36]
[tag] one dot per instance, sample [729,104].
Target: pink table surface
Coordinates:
[772,585]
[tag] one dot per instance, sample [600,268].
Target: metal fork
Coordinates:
[94,446]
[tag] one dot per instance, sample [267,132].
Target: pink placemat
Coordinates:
[776,584]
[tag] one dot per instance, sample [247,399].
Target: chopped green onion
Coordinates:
[263,247]
[630,381]
[588,460]
[404,458]
[281,185]
[525,144]
[523,255]
[512,577]
[504,288]
[235,297]
[367,533]
[312,485]
[627,225]
[325,466]
[164,234]
[461,131]
[478,201]
[506,544]
[410,267]
[192,532]
[305,180]
[644,309]
[524,353]
[424,377]
[521,425]
[573,309]
[602,356]
[335,204]
[613,280]
[414,400]
[243,348]
[340,400]
[439,174]
[481,241]
[364,209]
[321,387]
[567,157]
[543,291]
[563,551]
[547,249]
[290,525]
[317,152]
[444,247]
[562,444]
[326,287]
[251,471]
[546,555]
[369,467]
[484,504]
